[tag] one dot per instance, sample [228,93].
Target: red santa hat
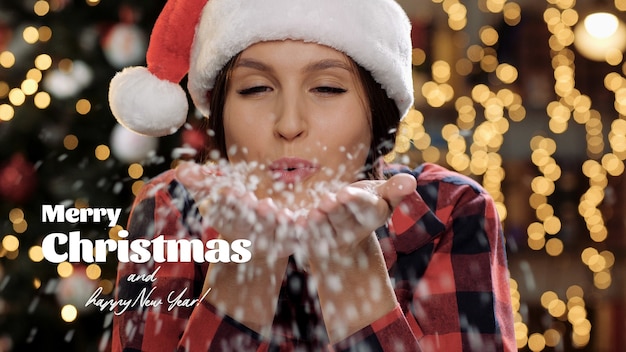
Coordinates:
[198,37]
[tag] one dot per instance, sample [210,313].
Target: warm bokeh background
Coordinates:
[513,93]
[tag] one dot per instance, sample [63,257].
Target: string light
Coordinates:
[102,152]
[69,313]
[7,59]
[571,106]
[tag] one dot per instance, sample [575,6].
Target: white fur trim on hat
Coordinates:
[145,104]
[374,33]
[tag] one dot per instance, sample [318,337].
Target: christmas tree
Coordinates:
[60,145]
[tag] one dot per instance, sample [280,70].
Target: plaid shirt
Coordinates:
[445,257]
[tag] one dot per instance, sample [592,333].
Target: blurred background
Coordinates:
[528,97]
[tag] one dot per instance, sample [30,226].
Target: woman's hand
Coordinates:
[248,292]
[337,236]
[345,256]
[232,209]
[343,219]
[340,220]
[237,214]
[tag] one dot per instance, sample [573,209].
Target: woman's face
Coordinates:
[298,110]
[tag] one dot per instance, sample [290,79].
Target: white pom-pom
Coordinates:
[145,104]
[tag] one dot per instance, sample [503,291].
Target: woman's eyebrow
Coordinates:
[326,64]
[251,63]
[320,65]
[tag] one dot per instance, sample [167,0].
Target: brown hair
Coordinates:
[385,117]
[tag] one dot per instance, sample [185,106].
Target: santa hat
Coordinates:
[198,37]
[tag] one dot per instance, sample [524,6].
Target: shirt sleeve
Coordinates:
[444,250]
[156,296]
[208,330]
[165,309]
[389,333]
[450,273]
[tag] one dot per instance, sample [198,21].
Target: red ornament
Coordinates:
[196,139]
[6,34]
[18,179]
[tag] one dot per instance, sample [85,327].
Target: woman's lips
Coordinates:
[292,170]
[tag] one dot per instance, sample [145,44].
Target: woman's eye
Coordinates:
[254,90]
[329,90]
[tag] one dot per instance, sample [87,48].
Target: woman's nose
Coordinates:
[290,119]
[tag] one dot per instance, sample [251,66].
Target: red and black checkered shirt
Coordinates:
[445,257]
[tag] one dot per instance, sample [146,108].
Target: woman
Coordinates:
[345,253]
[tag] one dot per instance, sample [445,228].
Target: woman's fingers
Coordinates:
[241,215]
[275,229]
[369,209]
[237,210]
[343,219]
[195,178]
[356,210]
[340,219]
[233,210]
[396,188]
